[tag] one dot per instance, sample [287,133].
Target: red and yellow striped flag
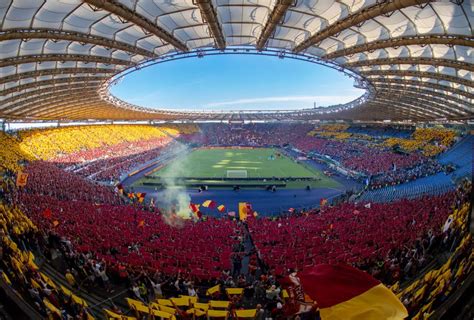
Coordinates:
[345,293]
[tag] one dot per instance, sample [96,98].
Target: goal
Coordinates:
[237,174]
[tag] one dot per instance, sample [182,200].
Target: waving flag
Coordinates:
[246,210]
[141,196]
[343,292]
[47,213]
[21,179]
[323,202]
[141,223]
[221,208]
[194,207]
[209,204]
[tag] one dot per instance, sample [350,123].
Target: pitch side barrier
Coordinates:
[220,185]
[265,179]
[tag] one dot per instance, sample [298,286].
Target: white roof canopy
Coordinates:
[57,55]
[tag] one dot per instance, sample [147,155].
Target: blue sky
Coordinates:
[236,82]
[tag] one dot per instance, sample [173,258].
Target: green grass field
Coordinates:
[214,163]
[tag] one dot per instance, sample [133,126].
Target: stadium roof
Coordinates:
[58,57]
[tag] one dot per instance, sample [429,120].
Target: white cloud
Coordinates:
[320,100]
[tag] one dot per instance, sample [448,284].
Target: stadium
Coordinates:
[358,208]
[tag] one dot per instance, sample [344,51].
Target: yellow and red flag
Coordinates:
[242,211]
[323,202]
[221,208]
[245,210]
[141,196]
[209,204]
[47,214]
[21,179]
[141,223]
[194,207]
[55,223]
[345,293]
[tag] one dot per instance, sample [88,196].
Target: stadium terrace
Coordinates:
[361,210]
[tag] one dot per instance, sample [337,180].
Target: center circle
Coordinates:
[235,82]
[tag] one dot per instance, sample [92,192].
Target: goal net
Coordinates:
[237,174]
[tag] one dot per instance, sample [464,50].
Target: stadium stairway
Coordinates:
[96,300]
[460,156]
[432,185]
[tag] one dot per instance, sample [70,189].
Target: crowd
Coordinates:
[46,179]
[254,135]
[391,241]
[51,144]
[19,238]
[123,234]
[105,152]
[105,241]
[11,156]
[108,163]
[426,293]
[429,141]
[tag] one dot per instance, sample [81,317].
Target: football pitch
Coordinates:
[209,165]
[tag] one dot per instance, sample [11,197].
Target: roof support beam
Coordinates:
[84,109]
[33,103]
[209,16]
[381,111]
[275,17]
[414,83]
[85,80]
[425,91]
[413,61]
[127,14]
[49,91]
[31,107]
[72,36]
[422,40]
[410,73]
[425,98]
[357,18]
[49,72]
[421,104]
[410,105]
[38,58]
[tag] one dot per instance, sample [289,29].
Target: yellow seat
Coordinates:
[132,302]
[218,304]
[245,314]
[201,306]
[180,302]
[223,314]
[234,291]
[167,309]
[89,316]
[161,314]
[213,290]
[112,315]
[66,291]
[138,306]
[192,300]
[79,300]
[48,281]
[52,308]
[165,302]
[196,312]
